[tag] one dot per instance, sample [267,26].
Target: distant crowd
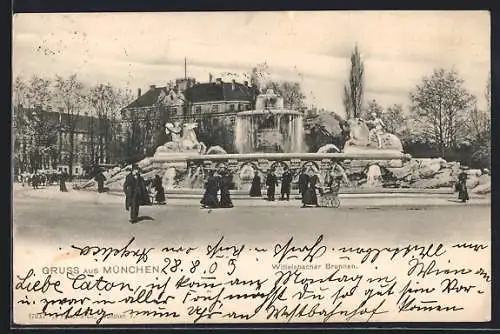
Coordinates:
[43,179]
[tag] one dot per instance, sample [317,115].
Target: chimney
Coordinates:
[152,87]
[138,92]
[233,85]
[210,77]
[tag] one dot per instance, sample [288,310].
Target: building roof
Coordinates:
[206,92]
[52,117]
[201,92]
[148,99]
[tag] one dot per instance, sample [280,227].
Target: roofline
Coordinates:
[220,101]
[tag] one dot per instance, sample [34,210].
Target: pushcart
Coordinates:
[330,198]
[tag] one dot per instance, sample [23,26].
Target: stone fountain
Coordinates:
[269,137]
[272,137]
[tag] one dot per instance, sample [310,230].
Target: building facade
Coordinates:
[42,141]
[211,105]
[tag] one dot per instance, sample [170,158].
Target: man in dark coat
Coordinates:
[62,181]
[303,182]
[286,181]
[271,183]
[212,185]
[135,191]
[100,178]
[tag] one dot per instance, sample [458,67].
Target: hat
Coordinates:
[135,166]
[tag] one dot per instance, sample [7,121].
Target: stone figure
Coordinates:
[377,129]
[360,136]
[184,139]
[174,130]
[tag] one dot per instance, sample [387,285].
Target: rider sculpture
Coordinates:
[377,129]
[371,134]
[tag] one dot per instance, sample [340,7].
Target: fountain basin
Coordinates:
[269,130]
[374,155]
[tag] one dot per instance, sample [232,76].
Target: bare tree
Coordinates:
[487,93]
[105,101]
[35,131]
[291,92]
[395,120]
[353,90]
[479,130]
[373,107]
[440,106]
[19,93]
[69,95]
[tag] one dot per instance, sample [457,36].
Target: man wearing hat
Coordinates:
[135,191]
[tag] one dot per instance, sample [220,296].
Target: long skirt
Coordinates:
[310,197]
[209,200]
[160,195]
[225,200]
[463,195]
[255,190]
[62,187]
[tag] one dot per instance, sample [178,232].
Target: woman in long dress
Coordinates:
[255,189]
[209,199]
[310,197]
[463,194]
[160,191]
[225,196]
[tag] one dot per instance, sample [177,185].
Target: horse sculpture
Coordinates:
[361,136]
[185,143]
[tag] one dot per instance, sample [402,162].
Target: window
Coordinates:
[76,170]
[231,108]
[197,109]
[215,108]
[233,120]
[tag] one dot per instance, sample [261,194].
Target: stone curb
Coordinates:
[346,202]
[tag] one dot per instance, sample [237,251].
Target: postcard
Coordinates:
[251,167]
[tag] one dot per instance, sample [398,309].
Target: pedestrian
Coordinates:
[461,186]
[62,182]
[271,182]
[43,179]
[34,180]
[303,182]
[286,181]
[135,191]
[209,199]
[255,189]
[225,195]
[310,197]
[100,178]
[160,191]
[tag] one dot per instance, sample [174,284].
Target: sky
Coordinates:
[136,50]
